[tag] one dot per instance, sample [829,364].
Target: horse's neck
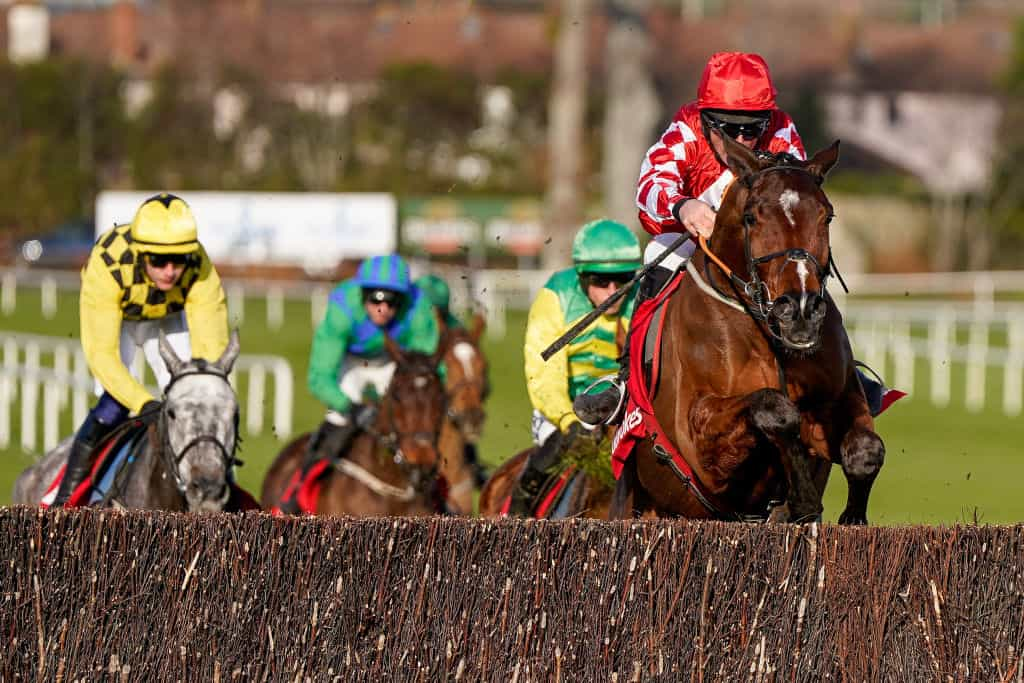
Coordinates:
[150,485]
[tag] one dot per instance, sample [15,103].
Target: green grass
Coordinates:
[943,466]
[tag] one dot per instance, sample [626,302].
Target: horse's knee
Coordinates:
[863,454]
[773,413]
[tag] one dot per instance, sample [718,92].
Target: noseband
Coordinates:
[172,460]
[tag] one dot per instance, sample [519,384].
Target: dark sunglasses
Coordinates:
[602,280]
[735,130]
[161,260]
[382,296]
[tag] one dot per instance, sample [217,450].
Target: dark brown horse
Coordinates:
[758,389]
[466,385]
[391,468]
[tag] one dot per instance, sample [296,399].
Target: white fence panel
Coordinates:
[56,367]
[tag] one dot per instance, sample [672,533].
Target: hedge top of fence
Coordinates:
[161,596]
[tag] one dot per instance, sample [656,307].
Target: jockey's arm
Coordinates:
[207,313]
[661,182]
[100,314]
[547,383]
[330,341]
[424,333]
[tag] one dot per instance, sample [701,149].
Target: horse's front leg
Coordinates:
[728,428]
[862,452]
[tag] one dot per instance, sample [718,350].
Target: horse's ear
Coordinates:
[823,161]
[740,160]
[393,349]
[171,359]
[230,355]
[477,331]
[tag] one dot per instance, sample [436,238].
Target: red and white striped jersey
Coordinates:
[682,164]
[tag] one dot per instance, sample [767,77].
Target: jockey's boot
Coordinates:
[606,407]
[79,465]
[470,456]
[534,474]
[329,441]
[873,392]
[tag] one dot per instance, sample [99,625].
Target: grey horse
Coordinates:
[197,434]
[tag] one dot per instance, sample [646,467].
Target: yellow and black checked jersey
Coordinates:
[140,299]
[115,288]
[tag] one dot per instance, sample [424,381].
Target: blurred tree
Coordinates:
[411,134]
[1003,213]
[172,143]
[60,127]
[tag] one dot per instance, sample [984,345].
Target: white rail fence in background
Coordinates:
[895,335]
[50,374]
[887,334]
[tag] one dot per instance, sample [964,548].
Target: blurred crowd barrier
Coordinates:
[896,321]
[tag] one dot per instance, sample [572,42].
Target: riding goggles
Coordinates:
[602,280]
[382,296]
[161,260]
[752,130]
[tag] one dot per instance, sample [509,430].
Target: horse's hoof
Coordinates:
[853,520]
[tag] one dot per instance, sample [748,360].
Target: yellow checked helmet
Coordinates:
[164,225]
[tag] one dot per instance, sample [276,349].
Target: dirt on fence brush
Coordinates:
[167,597]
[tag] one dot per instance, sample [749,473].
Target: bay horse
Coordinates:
[467,387]
[758,391]
[187,463]
[389,469]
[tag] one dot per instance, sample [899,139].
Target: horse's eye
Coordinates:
[828,218]
[748,219]
[170,413]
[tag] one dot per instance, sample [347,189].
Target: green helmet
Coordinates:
[436,290]
[605,246]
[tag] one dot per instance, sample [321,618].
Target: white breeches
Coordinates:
[357,376]
[146,334]
[673,261]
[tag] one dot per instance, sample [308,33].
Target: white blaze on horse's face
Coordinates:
[788,200]
[465,353]
[200,411]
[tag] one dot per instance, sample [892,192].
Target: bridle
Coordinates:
[754,295]
[171,460]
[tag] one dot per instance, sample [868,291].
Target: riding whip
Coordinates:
[576,329]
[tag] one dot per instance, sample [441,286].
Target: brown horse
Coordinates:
[587,495]
[758,391]
[467,387]
[391,468]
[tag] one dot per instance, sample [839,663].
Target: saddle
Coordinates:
[112,462]
[553,500]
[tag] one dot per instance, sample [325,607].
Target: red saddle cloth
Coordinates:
[639,422]
[117,452]
[305,490]
[549,499]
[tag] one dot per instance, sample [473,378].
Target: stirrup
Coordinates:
[617,411]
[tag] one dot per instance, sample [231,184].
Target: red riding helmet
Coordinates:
[736,81]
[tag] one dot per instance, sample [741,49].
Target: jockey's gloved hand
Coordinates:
[153,406]
[364,415]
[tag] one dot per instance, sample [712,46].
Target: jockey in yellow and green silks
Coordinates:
[606,254]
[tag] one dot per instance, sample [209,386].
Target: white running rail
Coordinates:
[50,373]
